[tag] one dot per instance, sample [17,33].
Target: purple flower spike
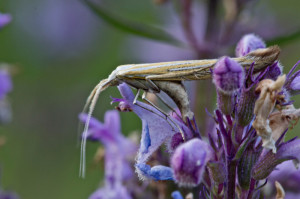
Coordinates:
[228,75]
[249,43]
[5,83]
[189,160]
[4,19]
[269,160]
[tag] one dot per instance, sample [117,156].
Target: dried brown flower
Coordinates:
[264,106]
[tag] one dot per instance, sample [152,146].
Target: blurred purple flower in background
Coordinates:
[5,83]
[5,87]
[247,44]
[4,19]
[118,151]
[66,28]
[8,195]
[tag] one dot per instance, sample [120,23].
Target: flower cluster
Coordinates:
[118,150]
[245,148]
[5,80]
[5,88]
[5,110]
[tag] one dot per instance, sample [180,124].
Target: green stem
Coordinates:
[231,178]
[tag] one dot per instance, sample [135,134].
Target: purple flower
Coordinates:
[189,161]
[119,192]
[247,44]
[4,19]
[5,87]
[287,175]
[228,76]
[8,195]
[295,84]
[5,83]
[292,83]
[157,130]
[292,196]
[117,151]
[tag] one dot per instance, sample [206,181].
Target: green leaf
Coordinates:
[136,28]
[285,39]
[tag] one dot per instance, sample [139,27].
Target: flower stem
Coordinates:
[231,178]
[251,189]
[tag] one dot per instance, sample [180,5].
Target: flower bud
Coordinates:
[268,161]
[217,171]
[249,43]
[246,105]
[228,76]
[189,160]
[245,166]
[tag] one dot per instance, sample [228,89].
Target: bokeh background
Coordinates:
[60,50]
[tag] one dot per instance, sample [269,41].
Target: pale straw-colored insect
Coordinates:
[168,77]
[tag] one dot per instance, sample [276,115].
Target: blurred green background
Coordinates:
[61,50]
